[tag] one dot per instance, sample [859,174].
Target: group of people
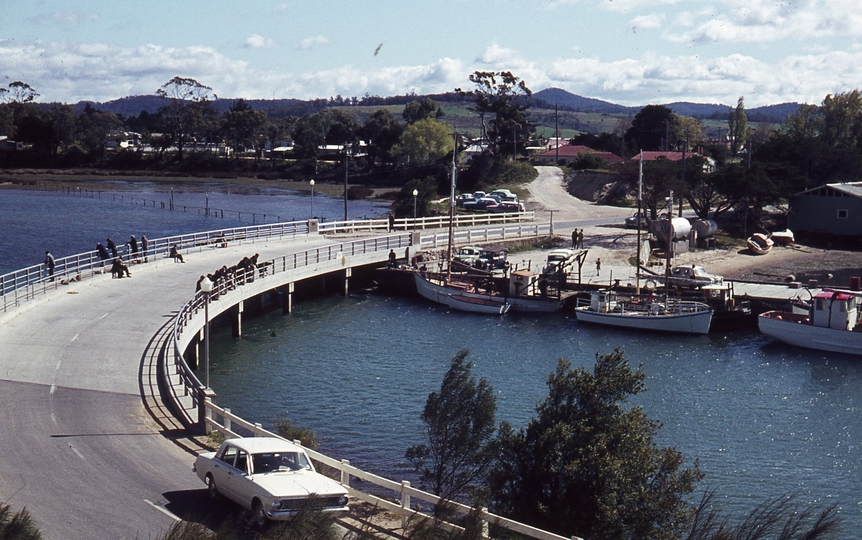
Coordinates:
[578,239]
[231,276]
[110,251]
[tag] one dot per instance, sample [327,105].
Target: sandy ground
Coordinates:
[616,246]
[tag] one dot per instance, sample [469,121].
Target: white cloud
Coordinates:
[61,18]
[310,42]
[653,20]
[257,41]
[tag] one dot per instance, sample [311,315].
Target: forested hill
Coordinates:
[548,98]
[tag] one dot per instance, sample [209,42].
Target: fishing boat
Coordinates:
[759,243]
[832,324]
[472,304]
[677,316]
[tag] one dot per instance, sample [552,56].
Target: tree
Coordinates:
[426,141]
[506,98]
[589,466]
[737,126]
[182,112]
[18,92]
[382,132]
[420,110]
[243,125]
[650,128]
[459,422]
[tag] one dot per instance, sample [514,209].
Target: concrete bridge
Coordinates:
[89,445]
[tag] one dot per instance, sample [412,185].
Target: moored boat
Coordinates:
[832,324]
[470,304]
[759,243]
[677,316]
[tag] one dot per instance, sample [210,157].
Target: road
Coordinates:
[87,447]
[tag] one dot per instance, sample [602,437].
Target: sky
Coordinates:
[630,52]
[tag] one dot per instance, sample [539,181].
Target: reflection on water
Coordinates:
[763,419]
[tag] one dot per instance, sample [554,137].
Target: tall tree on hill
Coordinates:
[243,125]
[650,129]
[506,99]
[737,126]
[182,111]
[381,130]
[420,110]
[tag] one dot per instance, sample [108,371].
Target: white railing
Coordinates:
[433,222]
[230,425]
[26,284]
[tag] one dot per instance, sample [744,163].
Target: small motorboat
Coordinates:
[759,244]
[783,238]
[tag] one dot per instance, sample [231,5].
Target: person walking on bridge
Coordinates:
[49,262]
[111,246]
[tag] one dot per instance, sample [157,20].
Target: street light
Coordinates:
[415,194]
[312,197]
[207,289]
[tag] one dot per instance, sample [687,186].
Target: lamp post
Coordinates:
[312,197]
[207,289]
[415,195]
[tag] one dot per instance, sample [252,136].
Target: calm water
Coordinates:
[763,419]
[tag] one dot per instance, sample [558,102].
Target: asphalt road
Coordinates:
[86,447]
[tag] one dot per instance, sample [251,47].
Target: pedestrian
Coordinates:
[103,253]
[175,254]
[574,239]
[391,222]
[393,258]
[112,247]
[581,239]
[133,243]
[49,262]
[145,245]
[119,269]
[598,266]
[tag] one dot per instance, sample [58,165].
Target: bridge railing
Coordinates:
[231,425]
[26,284]
[423,223]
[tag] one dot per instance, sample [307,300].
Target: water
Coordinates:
[764,419]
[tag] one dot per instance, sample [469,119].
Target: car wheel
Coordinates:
[258,516]
[211,487]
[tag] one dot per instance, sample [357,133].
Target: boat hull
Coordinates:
[794,329]
[484,306]
[523,304]
[681,323]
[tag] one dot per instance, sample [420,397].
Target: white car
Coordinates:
[693,277]
[269,476]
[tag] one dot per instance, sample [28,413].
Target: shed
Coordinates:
[834,209]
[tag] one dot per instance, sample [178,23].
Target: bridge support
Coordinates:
[287,298]
[236,320]
[348,273]
[204,395]
[193,352]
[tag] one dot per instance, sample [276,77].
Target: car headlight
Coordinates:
[277,504]
[343,501]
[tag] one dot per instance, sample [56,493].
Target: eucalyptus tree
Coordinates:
[183,112]
[506,98]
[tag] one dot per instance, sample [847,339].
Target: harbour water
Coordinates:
[763,419]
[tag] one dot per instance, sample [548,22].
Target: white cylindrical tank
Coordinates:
[681,228]
[706,227]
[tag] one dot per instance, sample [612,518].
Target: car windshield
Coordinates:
[283,461]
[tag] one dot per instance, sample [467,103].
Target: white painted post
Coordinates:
[345,476]
[227,422]
[405,503]
[485,532]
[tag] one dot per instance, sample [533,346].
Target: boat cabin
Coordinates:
[832,309]
[603,301]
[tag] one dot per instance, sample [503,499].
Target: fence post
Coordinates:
[345,476]
[485,532]
[227,422]
[405,503]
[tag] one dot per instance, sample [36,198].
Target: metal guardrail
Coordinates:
[424,223]
[26,284]
[223,421]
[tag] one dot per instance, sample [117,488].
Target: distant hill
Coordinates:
[544,99]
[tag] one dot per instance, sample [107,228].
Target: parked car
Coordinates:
[508,206]
[483,203]
[468,255]
[504,195]
[271,477]
[632,221]
[692,277]
[492,259]
[563,258]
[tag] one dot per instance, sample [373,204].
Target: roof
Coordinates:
[574,150]
[854,189]
[257,445]
[834,295]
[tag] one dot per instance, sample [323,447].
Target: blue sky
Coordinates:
[632,52]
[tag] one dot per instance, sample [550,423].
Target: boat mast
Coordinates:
[669,244]
[451,209]
[638,215]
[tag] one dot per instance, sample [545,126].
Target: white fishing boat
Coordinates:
[832,324]
[783,238]
[759,243]
[471,304]
[672,315]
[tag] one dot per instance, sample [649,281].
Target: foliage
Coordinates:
[425,141]
[382,131]
[650,128]
[587,160]
[184,111]
[285,428]
[506,98]
[459,423]
[779,519]
[471,528]
[18,525]
[402,205]
[588,465]
[737,127]
[485,171]
[18,92]
[420,110]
